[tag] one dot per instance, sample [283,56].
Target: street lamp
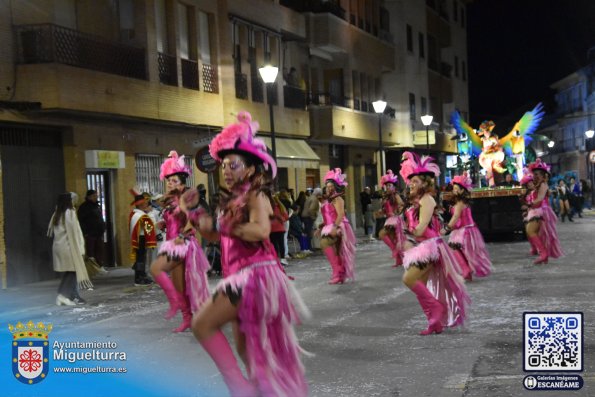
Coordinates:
[379,107]
[427,120]
[269,75]
[551,144]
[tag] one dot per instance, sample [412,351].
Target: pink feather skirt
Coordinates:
[549,234]
[268,310]
[469,240]
[396,223]
[196,267]
[347,248]
[444,280]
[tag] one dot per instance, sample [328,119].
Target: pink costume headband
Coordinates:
[412,165]
[388,178]
[539,165]
[239,138]
[463,181]
[173,165]
[336,176]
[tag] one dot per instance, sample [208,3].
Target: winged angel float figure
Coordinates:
[491,149]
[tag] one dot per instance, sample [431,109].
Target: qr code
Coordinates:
[553,342]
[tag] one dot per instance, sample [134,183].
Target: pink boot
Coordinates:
[218,348]
[170,292]
[533,248]
[186,314]
[543,255]
[398,259]
[335,262]
[433,309]
[463,264]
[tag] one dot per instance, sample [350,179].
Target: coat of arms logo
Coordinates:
[30,351]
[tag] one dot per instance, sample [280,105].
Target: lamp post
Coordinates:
[427,120]
[269,74]
[589,135]
[379,107]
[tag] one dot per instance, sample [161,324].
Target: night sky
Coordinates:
[518,48]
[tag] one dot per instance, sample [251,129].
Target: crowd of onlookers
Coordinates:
[568,197]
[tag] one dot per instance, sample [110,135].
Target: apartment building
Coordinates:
[574,116]
[94,94]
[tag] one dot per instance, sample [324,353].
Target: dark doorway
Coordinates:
[100,181]
[32,179]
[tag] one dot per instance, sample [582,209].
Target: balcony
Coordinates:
[48,43]
[329,99]
[343,125]
[190,74]
[315,6]
[168,70]
[210,78]
[294,97]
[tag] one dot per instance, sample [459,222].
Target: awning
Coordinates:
[293,153]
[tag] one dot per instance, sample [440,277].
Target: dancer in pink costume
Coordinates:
[337,237]
[465,238]
[255,296]
[541,227]
[181,254]
[392,205]
[431,270]
[527,183]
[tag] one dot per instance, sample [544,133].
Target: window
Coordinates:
[204,37]
[456,66]
[409,39]
[184,30]
[147,173]
[412,106]
[161,26]
[148,167]
[422,50]
[424,105]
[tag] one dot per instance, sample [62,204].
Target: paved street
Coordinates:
[364,336]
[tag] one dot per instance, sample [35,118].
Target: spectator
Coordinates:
[508,181]
[576,197]
[93,226]
[367,211]
[296,229]
[310,213]
[68,250]
[292,78]
[143,239]
[280,216]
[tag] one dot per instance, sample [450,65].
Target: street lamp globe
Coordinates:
[551,144]
[589,133]
[268,73]
[427,120]
[379,106]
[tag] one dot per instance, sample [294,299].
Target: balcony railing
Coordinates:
[315,6]
[294,97]
[210,79]
[241,86]
[327,99]
[168,70]
[48,43]
[190,74]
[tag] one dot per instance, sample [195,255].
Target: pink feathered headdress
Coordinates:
[239,138]
[463,181]
[388,178]
[412,165]
[173,165]
[527,176]
[539,165]
[336,176]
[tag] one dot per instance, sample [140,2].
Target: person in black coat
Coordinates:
[93,226]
